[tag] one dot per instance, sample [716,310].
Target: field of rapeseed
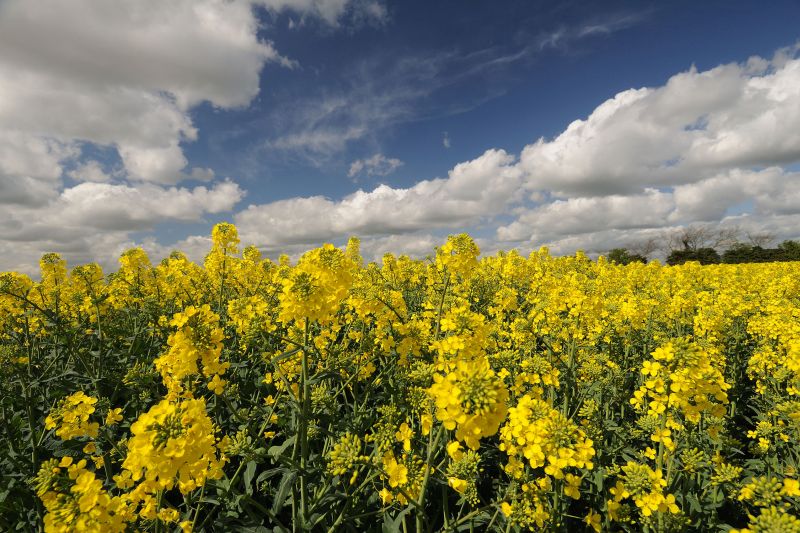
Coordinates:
[508,393]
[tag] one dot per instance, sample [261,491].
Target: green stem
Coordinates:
[432,443]
[306,411]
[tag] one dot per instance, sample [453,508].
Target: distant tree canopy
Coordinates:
[708,245]
[622,256]
[743,253]
[705,256]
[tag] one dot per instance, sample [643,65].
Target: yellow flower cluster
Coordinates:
[459,255]
[471,399]
[646,487]
[198,338]
[543,437]
[404,478]
[684,378]
[70,418]
[173,443]
[75,499]
[528,507]
[345,457]
[249,315]
[317,286]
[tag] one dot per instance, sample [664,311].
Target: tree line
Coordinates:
[708,245]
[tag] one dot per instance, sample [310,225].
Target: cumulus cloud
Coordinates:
[377,165]
[580,215]
[770,191]
[698,123]
[472,191]
[93,221]
[129,76]
[90,170]
[124,86]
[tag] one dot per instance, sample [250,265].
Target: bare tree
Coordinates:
[762,240]
[698,236]
[645,248]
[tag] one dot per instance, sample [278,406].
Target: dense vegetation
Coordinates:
[706,255]
[502,394]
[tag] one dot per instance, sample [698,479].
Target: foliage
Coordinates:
[622,256]
[502,394]
[704,256]
[743,253]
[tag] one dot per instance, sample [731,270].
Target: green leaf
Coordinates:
[249,472]
[394,525]
[286,484]
[277,451]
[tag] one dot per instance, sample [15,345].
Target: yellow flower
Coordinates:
[168,515]
[114,416]
[198,338]
[668,504]
[663,436]
[397,473]
[174,443]
[593,520]
[572,487]
[471,399]
[791,487]
[123,480]
[613,510]
[457,484]
[217,385]
[404,435]
[70,418]
[427,424]
[454,450]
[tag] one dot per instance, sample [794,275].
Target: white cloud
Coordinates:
[446,140]
[696,125]
[582,215]
[121,79]
[377,165]
[418,244]
[472,191]
[93,221]
[697,149]
[771,193]
[332,11]
[127,78]
[87,74]
[89,171]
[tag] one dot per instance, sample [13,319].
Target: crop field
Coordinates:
[455,393]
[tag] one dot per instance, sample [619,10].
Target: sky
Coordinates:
[576,125]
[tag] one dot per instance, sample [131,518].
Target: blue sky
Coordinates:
[146,125]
